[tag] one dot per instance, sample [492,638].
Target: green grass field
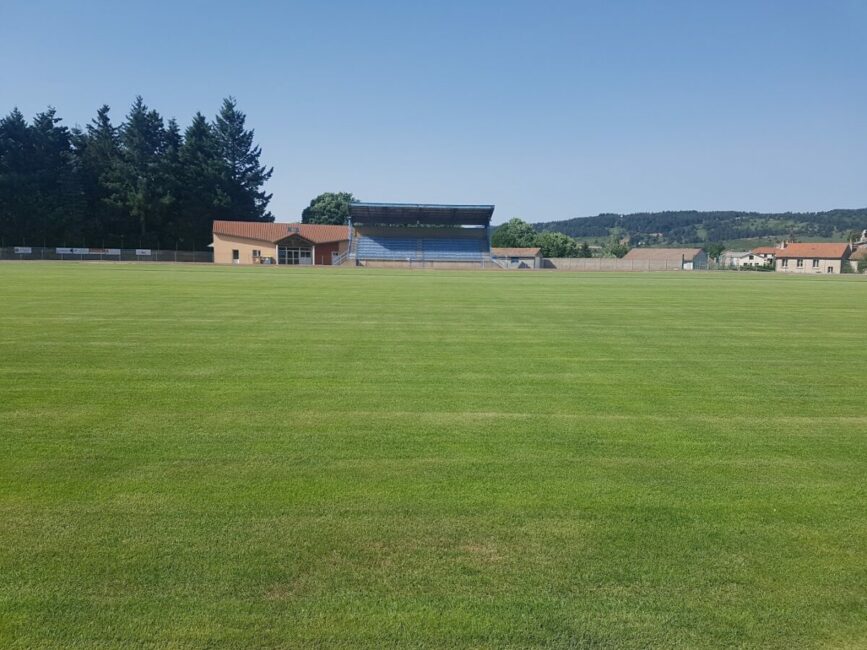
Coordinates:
[239,457]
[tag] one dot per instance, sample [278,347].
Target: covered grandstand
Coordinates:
[410,234]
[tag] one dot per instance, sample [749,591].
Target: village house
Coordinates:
[745,259]
[812,258]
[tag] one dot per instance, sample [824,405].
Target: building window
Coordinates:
[236,255]
[294,256]
[830,269]
[785,264]
[799,263]
[257,253]
[815,264]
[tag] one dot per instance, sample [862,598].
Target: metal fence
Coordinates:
[84,254]
[610,264]
[615,264]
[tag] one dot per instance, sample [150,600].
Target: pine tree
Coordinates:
[170,184]
[98,157]
[57,200]
[16,178]
[244,176]
[202,195]
[139,183]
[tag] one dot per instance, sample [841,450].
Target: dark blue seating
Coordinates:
[433,249]
[454,249]
[386,248]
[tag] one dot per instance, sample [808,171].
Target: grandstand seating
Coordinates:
[386,248]
[453,249]
[444,249]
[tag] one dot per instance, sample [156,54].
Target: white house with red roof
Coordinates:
[812,257]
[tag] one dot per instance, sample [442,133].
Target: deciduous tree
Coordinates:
[515,233]
[328,208]
[556,244]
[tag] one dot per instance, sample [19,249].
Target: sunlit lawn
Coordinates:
[197,456]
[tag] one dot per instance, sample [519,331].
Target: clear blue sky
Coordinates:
[548,109]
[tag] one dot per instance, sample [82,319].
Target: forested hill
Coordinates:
[694,227]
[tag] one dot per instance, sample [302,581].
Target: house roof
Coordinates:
[274,232]
[766,250]
[824,251]
[515,252]
[860,253]
[678,254]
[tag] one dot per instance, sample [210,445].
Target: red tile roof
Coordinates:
[515,252]
[321,234]
[822,251]
[274,232]
[766,250]
[677,254]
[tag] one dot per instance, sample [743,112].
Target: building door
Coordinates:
[236,256]
[295,256]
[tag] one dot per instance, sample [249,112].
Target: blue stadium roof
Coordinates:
[429,214]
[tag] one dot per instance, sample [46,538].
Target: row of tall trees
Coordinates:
[142,182]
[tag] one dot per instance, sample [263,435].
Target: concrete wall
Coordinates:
[608,264]
[522,262]
[792,266]
[449,266]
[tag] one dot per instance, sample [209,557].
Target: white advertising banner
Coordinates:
[23,250]
[142,251]
[87,251]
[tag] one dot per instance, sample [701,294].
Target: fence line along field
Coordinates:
[248,457]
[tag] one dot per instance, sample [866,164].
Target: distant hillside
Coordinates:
[694,227]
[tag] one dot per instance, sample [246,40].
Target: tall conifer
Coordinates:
[244,175]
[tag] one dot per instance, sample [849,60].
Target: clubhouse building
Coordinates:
[254,242]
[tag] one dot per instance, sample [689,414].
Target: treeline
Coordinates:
[516,233]
[694,227]
[143,182]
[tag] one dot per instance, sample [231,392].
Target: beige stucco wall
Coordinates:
[808,266]
[223,246]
